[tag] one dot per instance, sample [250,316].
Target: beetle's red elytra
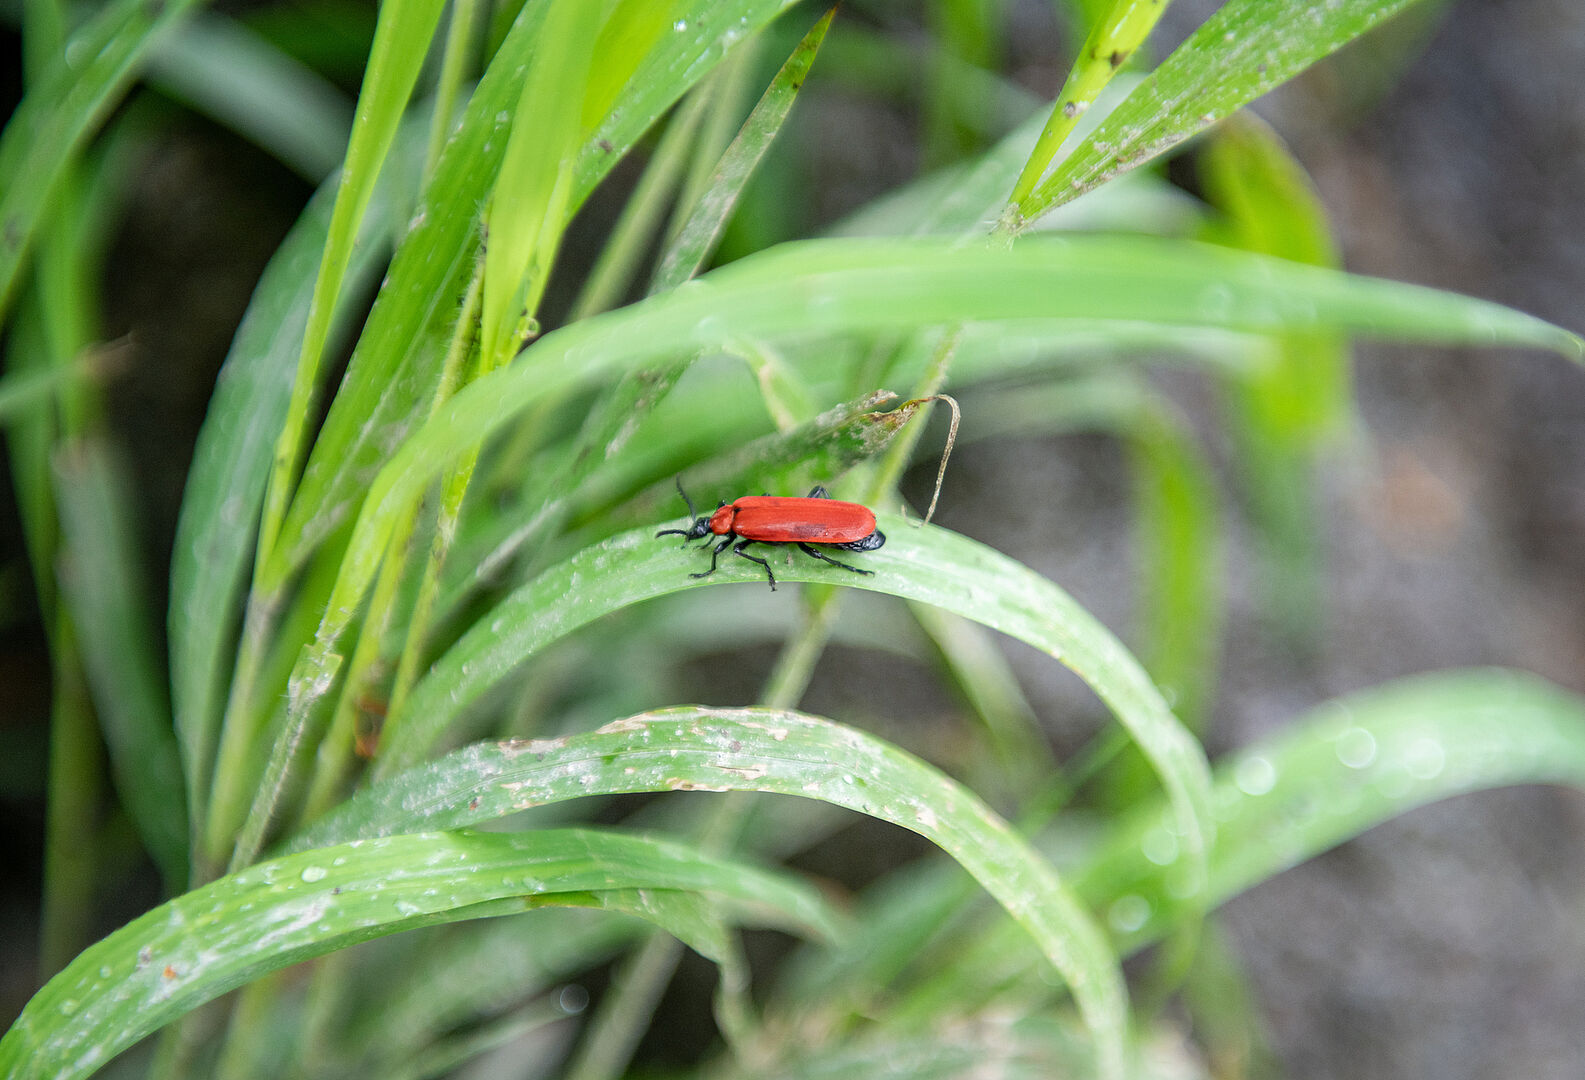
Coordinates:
[775,519]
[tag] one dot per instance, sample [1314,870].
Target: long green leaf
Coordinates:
[699,233]
[1282,412]
[201,944]
[100,580]
[759,750]
[401,39]
[1111,41]
[1245,49]
[61,112]
[1349,765]
[528,205]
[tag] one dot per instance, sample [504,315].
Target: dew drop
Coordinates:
[1255,775]
[1356,748]
[680,25]
[314,873]
[1424,759]
[1128,913]
[1216,303]
[573,999]
[1160,847]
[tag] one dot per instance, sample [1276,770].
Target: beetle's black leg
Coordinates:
[817,492]
[714,555]
[755,558]
[822,556]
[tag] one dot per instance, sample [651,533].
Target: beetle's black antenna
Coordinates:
[685,500]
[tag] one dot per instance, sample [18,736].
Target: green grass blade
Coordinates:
[1111,41]
[115,625]
[529,201]
[229,73]
[699,233]
[216,938]
[401,40]
[1175,500]
[1245,49]
[61,112]
[1351,764]
[758,750]
[1282,412]
[456,68]
[1354,763]
[225,485]
[397,360]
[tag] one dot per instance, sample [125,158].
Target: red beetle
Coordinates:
[773,519]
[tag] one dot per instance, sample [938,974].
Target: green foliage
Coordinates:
[462,542]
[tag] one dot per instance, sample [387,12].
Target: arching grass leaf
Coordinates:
[760,750]
[201,944]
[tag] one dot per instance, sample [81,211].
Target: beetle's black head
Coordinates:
[700,527]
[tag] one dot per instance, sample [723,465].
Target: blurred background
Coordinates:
[1449,150]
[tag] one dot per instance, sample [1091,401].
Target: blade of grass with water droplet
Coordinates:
[1245,49]
[529,200]
[199,945]
[757,750]
[1350,764]
[1354,763]
[1111,41]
